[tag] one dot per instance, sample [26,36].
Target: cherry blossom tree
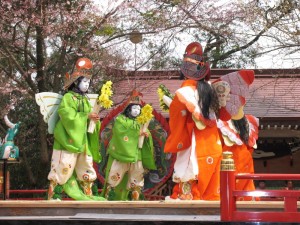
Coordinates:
[234,33]
[39,42]
[41,39]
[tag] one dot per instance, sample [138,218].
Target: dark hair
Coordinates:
[208,98]
[126,112]
[242,127]
[181,75]
[74,87]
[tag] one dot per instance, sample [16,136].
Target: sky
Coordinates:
[272,60]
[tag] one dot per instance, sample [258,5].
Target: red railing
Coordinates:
[229,196]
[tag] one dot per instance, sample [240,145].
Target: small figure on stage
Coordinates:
[239,137]
[124,179]
[74,149]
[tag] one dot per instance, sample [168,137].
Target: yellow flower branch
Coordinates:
[144,119]
[146,114]
[104,100]
[163,91]
[105,94]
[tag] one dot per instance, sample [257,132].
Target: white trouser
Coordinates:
[135,174]
[63,164]
[186,165]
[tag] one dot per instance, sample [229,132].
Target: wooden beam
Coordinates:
[284,133]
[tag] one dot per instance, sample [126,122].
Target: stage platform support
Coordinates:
[147,211]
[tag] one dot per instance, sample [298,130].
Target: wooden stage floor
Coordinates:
[123,212]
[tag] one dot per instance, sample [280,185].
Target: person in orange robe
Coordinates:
[239,137]
[194,135]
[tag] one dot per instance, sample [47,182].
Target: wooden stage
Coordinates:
[122,212]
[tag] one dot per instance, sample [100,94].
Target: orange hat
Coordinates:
[135,98]
[82,67]
[193,66]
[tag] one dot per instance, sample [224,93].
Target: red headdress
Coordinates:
[193,66]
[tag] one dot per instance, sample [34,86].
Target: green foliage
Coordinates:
[172,3]
[27,140]
[106,30]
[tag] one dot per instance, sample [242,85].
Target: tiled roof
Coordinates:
[275,97]
[274,93]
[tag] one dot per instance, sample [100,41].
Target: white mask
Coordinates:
[84,85]
[135,110]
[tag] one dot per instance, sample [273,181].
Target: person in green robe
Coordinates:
[124,179]
[74,149]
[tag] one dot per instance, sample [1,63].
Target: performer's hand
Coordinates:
[94,116]
[144,134]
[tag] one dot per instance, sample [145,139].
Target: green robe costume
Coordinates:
[70,134]
[123,147]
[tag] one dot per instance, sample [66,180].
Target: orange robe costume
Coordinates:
[203,144]
[242,153]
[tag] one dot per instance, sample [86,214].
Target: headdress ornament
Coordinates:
[135,98]
[83,65]
[194,67]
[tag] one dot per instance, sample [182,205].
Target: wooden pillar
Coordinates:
[227,186]
[4,180]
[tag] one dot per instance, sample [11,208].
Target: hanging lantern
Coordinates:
[135,37]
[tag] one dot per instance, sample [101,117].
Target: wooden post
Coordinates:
[227,186]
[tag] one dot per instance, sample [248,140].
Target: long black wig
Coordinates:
[242,127]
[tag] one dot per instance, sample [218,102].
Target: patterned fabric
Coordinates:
[238,82]
[228,131]
[207,147]
[123,145]
[188,95]
[82,66]
[64,163]
[70,132]
[153,179]
[74,148]
[135,174]
[125,157]
[242,153]
[193,66]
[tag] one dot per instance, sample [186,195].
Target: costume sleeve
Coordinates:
[229,136]
[188,96]
[180,137]
[253,130]
[148,156]
[93,143]
[71,130]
